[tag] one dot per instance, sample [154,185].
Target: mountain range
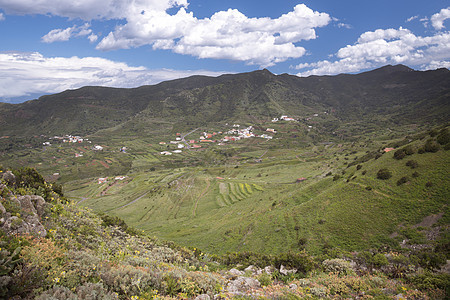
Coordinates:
[387,96]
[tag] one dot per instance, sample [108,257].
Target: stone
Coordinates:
[2,209]
[242,285]
[26,204]
[285,271]
[235,272]
[9,177]
[203,297]
[39,204]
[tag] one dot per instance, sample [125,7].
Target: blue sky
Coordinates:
[48,46]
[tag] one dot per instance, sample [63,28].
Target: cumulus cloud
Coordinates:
[23,74]
[61,35]
[388,46]
[225,35]
[93,38]
[437,20]
[2,17]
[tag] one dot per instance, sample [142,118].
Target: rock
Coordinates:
[242,285]
[236,272]
[269,270]
[2,209]
[39,204]
[252,269]
[285,271]
[202,297]
[26,204]
[293,286]
[28,221]
[9,177]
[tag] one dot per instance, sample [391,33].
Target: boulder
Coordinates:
[242,285]
[235,272]
[9,178]
[285,271]
[26,204]
[202,297]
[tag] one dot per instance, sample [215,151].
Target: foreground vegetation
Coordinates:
[84,255]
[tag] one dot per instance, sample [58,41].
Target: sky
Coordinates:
[48,46]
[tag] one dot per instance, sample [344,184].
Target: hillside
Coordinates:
[52,249]
[256,201]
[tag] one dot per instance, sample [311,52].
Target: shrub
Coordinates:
[412,164]
[337,265]
[402,180]
[399,154]
[265,279]
[358,167]
[444,137]
[415,174]
[429,184]
[384,174]
[431,146]
[378,260]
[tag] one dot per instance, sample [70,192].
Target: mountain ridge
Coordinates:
[398,92]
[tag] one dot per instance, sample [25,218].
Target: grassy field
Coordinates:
[247,205]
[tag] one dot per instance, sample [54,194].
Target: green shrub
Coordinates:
[444,137]
[415,174]
[337,265]
[384,174]
[402,180]
[399,154]
[265,279]
[431,146]
[378,260]
[412,164]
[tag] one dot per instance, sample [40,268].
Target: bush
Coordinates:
[399,154]
[337,265]
[402,180]
[444,137]
[412,164]
[384,174]
[378,260]
[415,174]
[429,184]
[431,146]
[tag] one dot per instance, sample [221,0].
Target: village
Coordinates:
[220,138]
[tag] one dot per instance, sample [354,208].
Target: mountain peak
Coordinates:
[388,69]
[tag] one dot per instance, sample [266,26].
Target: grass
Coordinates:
[257,206]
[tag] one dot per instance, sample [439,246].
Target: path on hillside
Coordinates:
[132,201]
[373,190]
[201,195]
[82,200]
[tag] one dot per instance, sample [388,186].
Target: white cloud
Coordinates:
[412,18]
[2,17]
[93,38]
[24,74]
[87,9]
[225,35]
[58,35]
[61,35]
[381,47]
[437,20]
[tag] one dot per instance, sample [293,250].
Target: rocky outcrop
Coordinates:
[26,217]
